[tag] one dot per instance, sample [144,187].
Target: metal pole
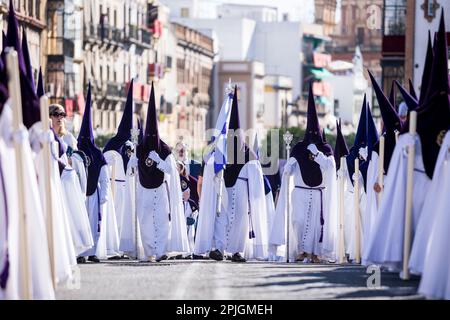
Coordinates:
[135,136]
[409,195]
[287,137]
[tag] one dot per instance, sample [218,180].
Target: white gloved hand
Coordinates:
[410,139]
[340,173]
[354,176]
[129,144]
[133,162]
[363,153]
[186,195]
[103,200]
[313,149]
[154,156]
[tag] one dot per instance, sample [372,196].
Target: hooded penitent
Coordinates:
[410,101]
[30,101]
[412,91]
[366,136]
[310,170]
[340,149]
[426,71]
[87,145]
[433,117]
[150,176]
[391,122]
[123,135]
[27,59]
[238,152]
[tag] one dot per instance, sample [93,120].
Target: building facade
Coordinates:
[32,16]
[360,26]
[325,14]
[106,44]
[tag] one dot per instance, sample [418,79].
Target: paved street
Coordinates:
[181,279]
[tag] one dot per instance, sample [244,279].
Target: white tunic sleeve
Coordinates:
[165,166]
[325,162]
[103,181]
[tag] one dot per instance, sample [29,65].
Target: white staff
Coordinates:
[16,99]
[341,212]
[381,169]
[228,90]
[134,138]
[47,153]
[357,217]
[409,194]
[287,137]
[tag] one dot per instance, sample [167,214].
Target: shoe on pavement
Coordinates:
[114,258]
[163,257]
[237,258]
[81,260]
[216,255]
[94,259]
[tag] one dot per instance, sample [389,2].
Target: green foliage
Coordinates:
[102,139]
[298,134]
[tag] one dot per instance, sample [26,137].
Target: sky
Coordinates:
[302,8]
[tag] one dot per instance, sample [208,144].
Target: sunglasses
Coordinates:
[58,114]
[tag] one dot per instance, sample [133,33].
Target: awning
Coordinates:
[321,73]
[323,101]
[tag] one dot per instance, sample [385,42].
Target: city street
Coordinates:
[187,280]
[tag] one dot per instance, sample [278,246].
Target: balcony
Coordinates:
[115,91]
[139,36]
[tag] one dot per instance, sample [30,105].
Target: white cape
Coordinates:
[433,237]
[386,243]
[37,245]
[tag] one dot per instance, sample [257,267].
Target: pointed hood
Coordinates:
[410,101]
[433,117]
[341,148]
[267,187]
[27,60]
[392,96]
[149,175]
[366,136]
[311,172]
[87,145]
[30,102]
[238,151]
[126,124]
[141,132]
[12,35]
[117,143]
[412,91]
[40,91]
[391,120]
[426,71]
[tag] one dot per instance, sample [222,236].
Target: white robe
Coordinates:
[78,216]
[37,248]
[305,207]
[123,203]
[159,235]
[97,207]
[371,211]
[210,226]
[386,242]
[350,216]
[245,212]
[432,237]
[64,252]
[433,204]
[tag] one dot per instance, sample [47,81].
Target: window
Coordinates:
[394,17]
[360,36]
[184,12]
